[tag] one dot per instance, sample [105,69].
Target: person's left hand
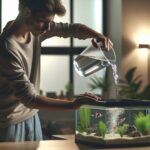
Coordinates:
[105,42]
[86,99]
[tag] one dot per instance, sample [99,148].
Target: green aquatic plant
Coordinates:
[102,129]
[85,119]
[142,123]
[121,130]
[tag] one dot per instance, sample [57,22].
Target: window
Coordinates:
[58,53]
[54,72]
[91,16]
[6,5]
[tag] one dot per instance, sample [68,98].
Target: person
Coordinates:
[20,44]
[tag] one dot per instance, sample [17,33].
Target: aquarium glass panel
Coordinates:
[114,126]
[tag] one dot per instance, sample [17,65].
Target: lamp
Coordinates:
[144,46]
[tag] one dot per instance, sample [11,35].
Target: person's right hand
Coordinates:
[86,99]
[106,43]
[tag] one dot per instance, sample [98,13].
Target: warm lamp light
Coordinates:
[144,46]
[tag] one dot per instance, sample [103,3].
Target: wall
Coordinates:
[128,21]
[136,25]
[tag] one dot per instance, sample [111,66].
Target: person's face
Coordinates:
[39,23]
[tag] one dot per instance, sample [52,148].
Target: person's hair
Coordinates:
[51,6]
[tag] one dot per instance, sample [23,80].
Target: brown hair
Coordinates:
[51,6]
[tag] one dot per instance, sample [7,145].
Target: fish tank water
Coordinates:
[114,123]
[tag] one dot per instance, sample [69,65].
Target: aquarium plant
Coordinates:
[85,119]
[121,130]
[142,123]
[102,129]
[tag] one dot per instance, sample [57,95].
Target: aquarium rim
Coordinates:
[116,107]
[121,103]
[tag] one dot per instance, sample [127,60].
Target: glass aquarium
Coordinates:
[114,123]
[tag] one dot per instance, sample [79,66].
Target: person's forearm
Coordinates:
[75,30]
[46,103]
[81,31]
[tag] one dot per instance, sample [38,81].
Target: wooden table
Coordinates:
[67,144]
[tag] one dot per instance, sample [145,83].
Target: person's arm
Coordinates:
[46,103]
[75,30]
[17,85]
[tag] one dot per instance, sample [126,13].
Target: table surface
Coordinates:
[66,144]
